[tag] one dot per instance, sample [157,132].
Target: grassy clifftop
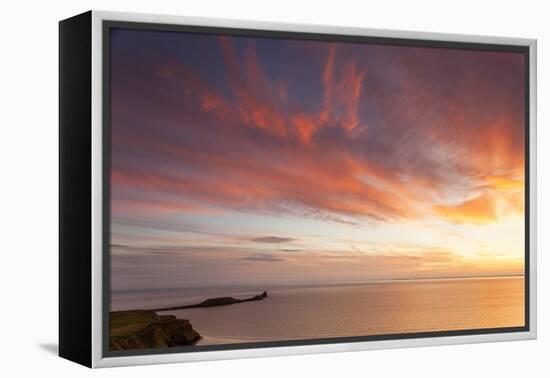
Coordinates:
[141,329]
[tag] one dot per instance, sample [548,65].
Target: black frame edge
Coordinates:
[75,194]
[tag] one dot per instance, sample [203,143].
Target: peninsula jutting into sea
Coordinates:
[140,329]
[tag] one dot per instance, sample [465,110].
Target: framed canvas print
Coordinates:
[235,189]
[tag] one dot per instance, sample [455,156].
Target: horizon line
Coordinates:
[331,284]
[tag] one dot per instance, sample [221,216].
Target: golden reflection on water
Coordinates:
[366,309]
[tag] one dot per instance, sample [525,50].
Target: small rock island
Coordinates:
[142,329]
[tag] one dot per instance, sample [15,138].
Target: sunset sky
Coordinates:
[257,161]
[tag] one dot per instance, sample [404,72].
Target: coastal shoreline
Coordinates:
[143,329]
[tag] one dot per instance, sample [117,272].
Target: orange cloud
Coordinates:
[349,91]
[505,183]
[144,207]
[316,182]
[305,126]
[490,161]
[261,107]
[328,84]
[342,95]
[478,210]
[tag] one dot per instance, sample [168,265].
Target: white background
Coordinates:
[28,207]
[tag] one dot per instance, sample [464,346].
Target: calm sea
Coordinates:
[306,312]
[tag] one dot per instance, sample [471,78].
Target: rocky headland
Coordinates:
[142,329]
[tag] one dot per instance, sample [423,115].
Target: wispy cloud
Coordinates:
[263,258]
[272,239]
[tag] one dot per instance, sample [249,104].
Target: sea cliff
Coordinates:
[141,329]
